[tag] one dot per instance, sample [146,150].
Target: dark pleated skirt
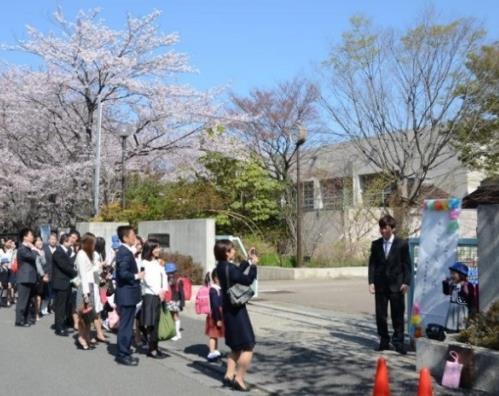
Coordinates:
[149,314]
[239,335]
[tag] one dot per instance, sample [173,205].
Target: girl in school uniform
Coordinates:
[462,297]
[177,302]
[214,327]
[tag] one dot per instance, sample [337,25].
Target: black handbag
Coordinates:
[110,290]
[435,332]
[238,294]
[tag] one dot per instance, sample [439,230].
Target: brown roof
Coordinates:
[486,194]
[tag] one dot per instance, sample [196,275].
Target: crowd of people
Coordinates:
[90,293]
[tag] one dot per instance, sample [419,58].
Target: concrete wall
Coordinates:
[102,229]
[433,354]
[195,238]
[488,253]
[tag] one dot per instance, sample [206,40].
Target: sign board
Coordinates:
[437,252]
[163,239]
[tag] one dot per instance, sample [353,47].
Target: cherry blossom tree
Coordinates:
[49,115]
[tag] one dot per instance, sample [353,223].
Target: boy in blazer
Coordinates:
[389,280]
[128,293]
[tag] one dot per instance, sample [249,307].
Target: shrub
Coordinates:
[186,267]
[483,329]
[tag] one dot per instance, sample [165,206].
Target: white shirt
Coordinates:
[155,279]
[387,245]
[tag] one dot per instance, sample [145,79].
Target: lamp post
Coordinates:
[124,133]
[97,157]
[302,137]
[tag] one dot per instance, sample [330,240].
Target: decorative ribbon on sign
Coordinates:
[437,252]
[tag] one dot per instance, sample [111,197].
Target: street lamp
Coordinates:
[124,132]
[302,137]
[97,156]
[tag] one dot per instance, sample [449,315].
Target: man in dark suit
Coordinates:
[128,293]
[62,272]
[26,275]
[389,279]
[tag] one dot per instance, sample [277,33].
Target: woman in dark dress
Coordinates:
[239,336]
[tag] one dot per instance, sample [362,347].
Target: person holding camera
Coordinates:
[239,335]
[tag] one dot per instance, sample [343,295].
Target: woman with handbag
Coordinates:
[239,335]
[154,286]
[88,298]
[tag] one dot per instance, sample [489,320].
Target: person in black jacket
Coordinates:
[128,293]
[239,335]
[62,272]
[26,275]
[389,280]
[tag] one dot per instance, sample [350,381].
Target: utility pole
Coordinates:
[97,157]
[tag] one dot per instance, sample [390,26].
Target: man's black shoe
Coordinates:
[21,324]
[135,359]
[127,361]
[382,347]
[62,333]
[400,348]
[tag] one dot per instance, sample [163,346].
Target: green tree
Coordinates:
[478,139]
[251,192]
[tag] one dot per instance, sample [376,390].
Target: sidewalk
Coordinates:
[304,350]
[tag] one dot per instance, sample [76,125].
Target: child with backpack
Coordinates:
[214,327]
[176,296]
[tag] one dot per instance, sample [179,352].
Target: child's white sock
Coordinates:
[178,336]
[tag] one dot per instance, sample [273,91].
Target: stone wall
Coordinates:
[488,254]
[100,229]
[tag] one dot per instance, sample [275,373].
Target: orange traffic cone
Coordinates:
[381,384]
[425,385]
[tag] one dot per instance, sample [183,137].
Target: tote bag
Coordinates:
[166,327]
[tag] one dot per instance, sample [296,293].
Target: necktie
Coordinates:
[386,249]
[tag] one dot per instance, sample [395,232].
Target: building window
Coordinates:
[336,193]
[308,195]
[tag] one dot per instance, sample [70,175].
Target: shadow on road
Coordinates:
[200,350]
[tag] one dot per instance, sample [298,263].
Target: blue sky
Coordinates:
[250,43]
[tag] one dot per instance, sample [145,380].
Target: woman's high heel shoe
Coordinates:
[81,345]
[238,387]
[227,382]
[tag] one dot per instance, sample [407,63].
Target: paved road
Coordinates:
[33,361]
[348,295]
[301,350]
